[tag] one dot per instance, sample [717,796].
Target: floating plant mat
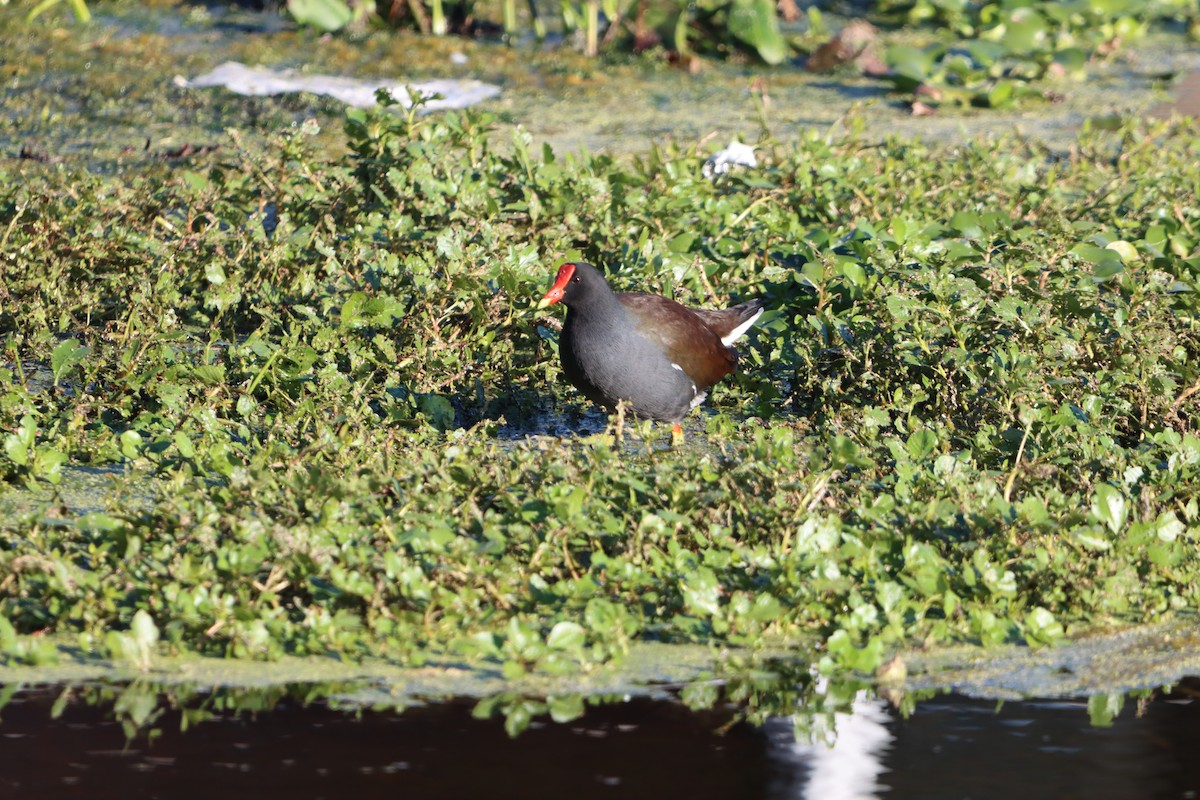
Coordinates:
[647,665]
[1104,663]
[1134,658]
[258,81]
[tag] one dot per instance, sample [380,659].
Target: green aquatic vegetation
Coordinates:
[78,7]
[715,27]
[996,55]
[970,414]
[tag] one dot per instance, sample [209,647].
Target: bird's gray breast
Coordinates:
[615,362]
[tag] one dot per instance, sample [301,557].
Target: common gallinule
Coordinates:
[656,355]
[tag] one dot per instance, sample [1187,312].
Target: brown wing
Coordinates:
[686,338]
[728,321]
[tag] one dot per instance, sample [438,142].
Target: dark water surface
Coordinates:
[950,747]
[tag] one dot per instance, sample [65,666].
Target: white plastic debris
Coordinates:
[257,81]
[735,155]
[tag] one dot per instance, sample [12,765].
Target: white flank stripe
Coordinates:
[737,332]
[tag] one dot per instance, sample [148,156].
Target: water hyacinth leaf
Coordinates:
[1110,507]
[766,608]
[1041,627]
[523,637]
[1104,708]
[565,635]
[1124,249]
[1034,511]
[324,15]
[66,356]
[210,374]
[864,660]
[854,272]
[913,64]
[518,716]
[702,592]
[352,314]
[1000,95]
[1073,61]
[19,445]
[967,223]
[485,644]
[145,632]
[681,243]
[1168,527]
[437,410]
[986,53]
[1091,538]
[564,708]
[8,635]
[1025,32]
[131,444]
[183,443]
[97,521]
[921,443]
[246,406]
[754,22]
[48,463]
[1106,263]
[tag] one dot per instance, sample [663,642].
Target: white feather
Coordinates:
[737,332]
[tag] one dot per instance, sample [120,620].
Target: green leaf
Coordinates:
[854,272]
[145,632]
[566,635]
[1109,507]
[1041,627]
[79,7]
[48,463]
[183,443]
[702,592]
[755,23]
[1124,249]
[921,443]
[324,15]
[16,449]
[1026,32]
[131,444]
[1104,708]
[437,410]
[1001,94]
[1106,263]
[914,64]
[564,708]
[99,522]
[681,243]
[8,636]
[66,356]
[1091,538]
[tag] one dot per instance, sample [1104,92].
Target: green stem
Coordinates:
[593,28]
[510,18]
[439,18]
[539,27]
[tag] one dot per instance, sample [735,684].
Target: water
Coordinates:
[949,747]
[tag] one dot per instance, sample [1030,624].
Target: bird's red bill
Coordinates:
[560,285]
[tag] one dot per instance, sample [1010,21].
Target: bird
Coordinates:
[656,356]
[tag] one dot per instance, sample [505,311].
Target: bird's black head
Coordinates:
[575,282]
